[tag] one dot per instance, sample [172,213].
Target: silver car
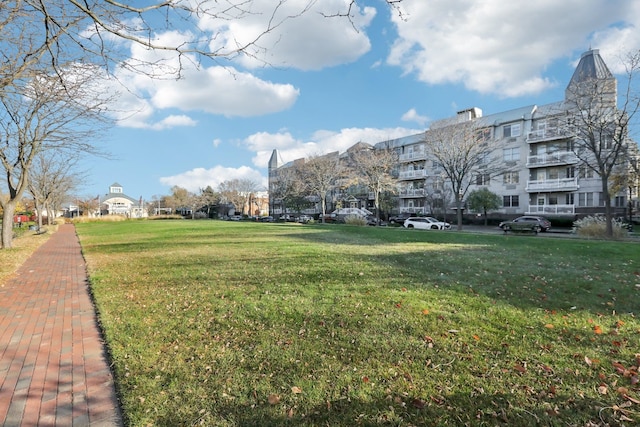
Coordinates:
[426,223]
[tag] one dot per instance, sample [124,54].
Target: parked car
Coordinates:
[373,220]
[305,218]
[400,218]
[426,223]
[265,219]
[543,224]
[235,217]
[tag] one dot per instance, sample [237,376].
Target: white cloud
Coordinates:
[323,141]
[195,179]
[413,116]
[173,121]
[309,41]
[224,91]
[502,47]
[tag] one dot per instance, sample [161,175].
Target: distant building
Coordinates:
[117,203]
[545,176]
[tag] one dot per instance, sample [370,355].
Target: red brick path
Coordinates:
[53,368]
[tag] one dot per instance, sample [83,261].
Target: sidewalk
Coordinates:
[53,368]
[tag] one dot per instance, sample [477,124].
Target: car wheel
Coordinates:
[434,227]
[410,226]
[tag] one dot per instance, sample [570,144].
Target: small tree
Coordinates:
[372,168]
[320,174]
[237,192]
[483,200]
[462,150]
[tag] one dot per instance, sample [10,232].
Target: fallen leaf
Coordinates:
[477,338]
[520,368]
[549,326]
[603,389]
[273,399]
[597,329]
[425,311]
[418,403]
[296,390]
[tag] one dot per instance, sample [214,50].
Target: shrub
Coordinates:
[355,220]
[596,226]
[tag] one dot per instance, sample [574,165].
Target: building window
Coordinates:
[510,178]
[585,199]
[571,172]
[510,201]
[483,179]
[569,200]
[511,154]
[510,131]
[585,172]
[620,201]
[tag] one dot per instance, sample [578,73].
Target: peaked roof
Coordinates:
[591,66]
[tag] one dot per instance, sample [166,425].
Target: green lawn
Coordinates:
[249,324]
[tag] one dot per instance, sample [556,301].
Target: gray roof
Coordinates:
[590,67]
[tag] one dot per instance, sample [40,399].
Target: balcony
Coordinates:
[416,155]
[411,192]
[559,184]
[551,210]
[548,135]
[413,174]
[552,159]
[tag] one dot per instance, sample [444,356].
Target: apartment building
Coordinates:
[538,173]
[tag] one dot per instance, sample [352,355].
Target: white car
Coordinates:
[426,223]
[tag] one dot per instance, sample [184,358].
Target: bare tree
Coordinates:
[600,122]
[44,114]
[372,168]
[320,174]
[50,33]
[463,150]
[52,177]
[237,192]
[209,198]
[289,189]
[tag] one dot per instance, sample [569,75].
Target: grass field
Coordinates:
[250,324]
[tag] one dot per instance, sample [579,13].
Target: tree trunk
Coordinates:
[607,207]
[7,224]
[39,210]
[459,212]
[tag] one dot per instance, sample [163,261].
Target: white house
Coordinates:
[117,203]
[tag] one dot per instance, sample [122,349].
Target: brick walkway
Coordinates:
[53,368]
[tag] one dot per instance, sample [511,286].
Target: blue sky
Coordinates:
[329,86]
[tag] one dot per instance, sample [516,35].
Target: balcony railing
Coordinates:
[548,134]
[416,155]
[413,174]
[412,192]
[551,159]
[560,184]
[551,209]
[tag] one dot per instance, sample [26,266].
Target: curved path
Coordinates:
[53,365]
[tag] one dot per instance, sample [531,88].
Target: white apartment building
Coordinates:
[542,174]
